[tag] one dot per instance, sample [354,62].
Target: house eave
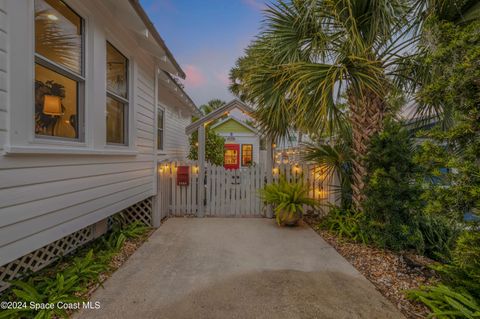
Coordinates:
[164,56]
[217,114]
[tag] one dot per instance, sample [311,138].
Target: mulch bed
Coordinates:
[127,250]
[391,273]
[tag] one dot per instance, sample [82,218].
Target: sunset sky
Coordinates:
[206,37]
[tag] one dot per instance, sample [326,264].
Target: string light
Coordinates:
[322,194]
[296,168]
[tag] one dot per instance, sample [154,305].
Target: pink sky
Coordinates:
[195,77]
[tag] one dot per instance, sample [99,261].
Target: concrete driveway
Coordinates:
[237,268]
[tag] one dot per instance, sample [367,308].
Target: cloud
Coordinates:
[161,5]
[223,78]
[255,4]
[194,76]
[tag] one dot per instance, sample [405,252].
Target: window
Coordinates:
[59,78]
[117,96]
[160,124]
[247,154]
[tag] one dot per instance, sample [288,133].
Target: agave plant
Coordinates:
[288,199]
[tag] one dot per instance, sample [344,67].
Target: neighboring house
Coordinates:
[242,142]
[233,122]
[88,107]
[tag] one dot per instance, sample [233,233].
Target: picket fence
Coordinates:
[232,193]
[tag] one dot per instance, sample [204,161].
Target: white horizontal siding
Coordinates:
[145,111]
[43,214]
[106,207]
[176,142]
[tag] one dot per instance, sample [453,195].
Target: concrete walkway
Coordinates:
[237,268]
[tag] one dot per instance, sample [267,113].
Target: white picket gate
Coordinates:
[231,193]
[234,192]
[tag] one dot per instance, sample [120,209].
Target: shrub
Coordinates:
[446,302]
[391,194]
[347,223]
[439,235]
[458,296]
[214,147]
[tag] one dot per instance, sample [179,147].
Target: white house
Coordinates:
[242,142]
[88,107]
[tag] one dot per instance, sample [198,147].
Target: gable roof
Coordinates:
[217,114]
[231,118]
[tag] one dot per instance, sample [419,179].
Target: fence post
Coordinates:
[269,171]
[157,200]
[201,171]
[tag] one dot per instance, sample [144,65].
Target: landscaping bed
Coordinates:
[74,278]
[391,273]
[129,247]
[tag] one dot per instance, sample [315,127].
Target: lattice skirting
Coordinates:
[38,259]
[141,211]
[44,256]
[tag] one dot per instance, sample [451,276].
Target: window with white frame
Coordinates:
[247,154]
[117,97]
[160,128]
[59,71]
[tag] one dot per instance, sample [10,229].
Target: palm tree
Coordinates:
[312,52]
[336,157]
[211,106]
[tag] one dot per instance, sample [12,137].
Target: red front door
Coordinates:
[231,157]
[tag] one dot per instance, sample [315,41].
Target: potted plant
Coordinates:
[288,200]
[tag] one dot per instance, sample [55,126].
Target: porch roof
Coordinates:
[217,114]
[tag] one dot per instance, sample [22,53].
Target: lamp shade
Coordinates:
[52,105]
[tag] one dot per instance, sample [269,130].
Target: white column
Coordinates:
[201,170]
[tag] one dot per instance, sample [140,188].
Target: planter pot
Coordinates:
[292,221]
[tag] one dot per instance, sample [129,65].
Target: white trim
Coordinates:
[66,150]
[217,114]
[80,79]
[162,107]
[126,102]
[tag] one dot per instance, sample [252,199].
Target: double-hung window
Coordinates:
[59,71]
[160,128]
[117,97]
[247,154]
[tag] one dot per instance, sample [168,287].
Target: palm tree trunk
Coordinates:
[366,119]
